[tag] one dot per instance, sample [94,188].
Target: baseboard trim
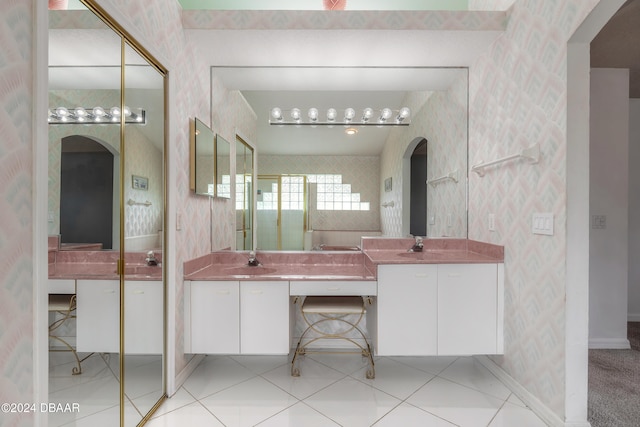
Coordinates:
[633,317]
[609,343]
[539,408]
[188,370]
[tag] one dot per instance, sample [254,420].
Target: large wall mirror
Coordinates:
[202,158]
[359,183]
[244,195]
[106,219]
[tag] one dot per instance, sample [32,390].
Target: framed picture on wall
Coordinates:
[139,182]
[388,184]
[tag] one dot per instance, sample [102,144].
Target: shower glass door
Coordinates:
[282,212]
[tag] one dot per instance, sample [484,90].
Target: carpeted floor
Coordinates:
[614,384]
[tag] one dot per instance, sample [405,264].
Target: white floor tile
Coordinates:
[92,397]
[431,364]
[456,403]
[297,416]
[248,403]
[512,415]
[352,403]
[261,364]
[215,374]
[395,378]
[193,415]
[469,372]
[313,377]
[346,363]
[180,399]
[406,415]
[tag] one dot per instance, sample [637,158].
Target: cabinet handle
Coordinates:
[138,292]
[223,292]
[256,292]
[109,291]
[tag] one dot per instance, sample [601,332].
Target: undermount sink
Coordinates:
[248,270]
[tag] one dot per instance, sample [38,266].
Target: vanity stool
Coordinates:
[65,305]
[335,309]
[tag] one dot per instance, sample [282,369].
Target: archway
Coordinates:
[409,209]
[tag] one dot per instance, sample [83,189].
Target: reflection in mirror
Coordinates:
[144,185]
[84,205]
[223,168]
[346,173]
[202,154]
[244,195]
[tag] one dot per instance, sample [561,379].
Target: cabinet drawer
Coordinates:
[337,287]
[61,286]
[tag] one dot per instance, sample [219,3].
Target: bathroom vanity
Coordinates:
[445,300]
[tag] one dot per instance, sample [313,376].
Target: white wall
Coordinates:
[634,211]
[609,181]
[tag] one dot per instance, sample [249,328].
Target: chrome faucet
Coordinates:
[417,246]
[151,259]
[253,261]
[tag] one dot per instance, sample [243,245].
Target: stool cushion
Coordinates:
[333,304]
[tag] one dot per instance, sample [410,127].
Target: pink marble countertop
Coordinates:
[101,265]
[337,265]
[274,266]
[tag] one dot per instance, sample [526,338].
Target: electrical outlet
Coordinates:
[51,216]
[449,220]
[432,219]
[492,222]
[179,221]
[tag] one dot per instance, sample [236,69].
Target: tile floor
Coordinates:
[97,389]
[333,391]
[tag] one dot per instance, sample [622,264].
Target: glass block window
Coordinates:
[223,188]
[242,201]
[333,195]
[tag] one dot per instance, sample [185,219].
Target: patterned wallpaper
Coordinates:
[518,97]
[362,172]
[441,118]
[17,24]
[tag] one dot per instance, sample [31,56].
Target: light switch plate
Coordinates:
[492,222]
[542,223]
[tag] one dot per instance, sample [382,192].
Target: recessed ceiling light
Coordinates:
[351,131]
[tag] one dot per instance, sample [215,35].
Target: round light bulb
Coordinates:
[98,111]
[313,114]
[386,113]
[80,112]
[366,114]
[127,111]
[405,112]
[331,114]
[276,113]
[62,112]
[349,114]
[295,114]
[115,111]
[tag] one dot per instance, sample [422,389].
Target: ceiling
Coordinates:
[618,44]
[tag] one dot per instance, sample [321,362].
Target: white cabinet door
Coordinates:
[215,317]
[467,309]
[98,316]
[264,317]
[143,320]
[407,310]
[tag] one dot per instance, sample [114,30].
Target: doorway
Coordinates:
[86,192]
[282,212]
[418,215]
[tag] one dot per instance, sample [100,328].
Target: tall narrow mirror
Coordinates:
[84,224]
[143,189]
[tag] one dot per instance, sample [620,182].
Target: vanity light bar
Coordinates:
[349,117]
[95,115]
